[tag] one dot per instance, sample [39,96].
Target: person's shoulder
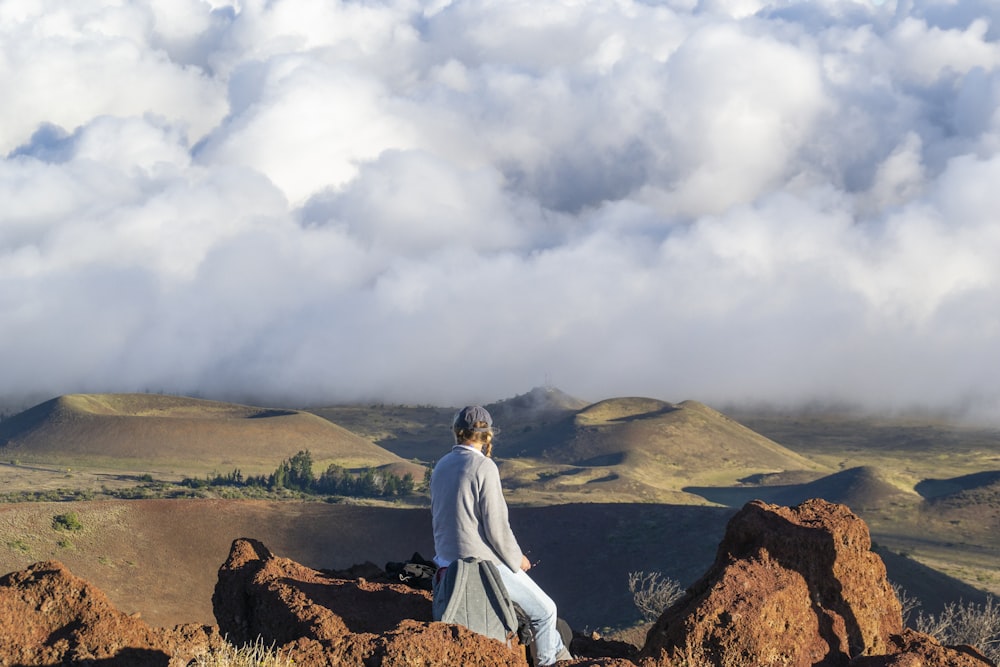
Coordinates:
[460,456]
[485,464]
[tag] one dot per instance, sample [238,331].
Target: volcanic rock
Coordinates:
[916,649]
[790,586]
[319,619]
[48,616]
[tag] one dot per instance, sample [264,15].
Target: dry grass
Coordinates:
[256,654]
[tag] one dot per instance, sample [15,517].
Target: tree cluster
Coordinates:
[296,474]
[67,521]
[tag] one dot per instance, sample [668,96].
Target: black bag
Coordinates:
[416,572]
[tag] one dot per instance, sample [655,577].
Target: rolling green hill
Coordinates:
[642,449]
[860,488]
[150,431]
[970,501]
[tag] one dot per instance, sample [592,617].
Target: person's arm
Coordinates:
[495,519]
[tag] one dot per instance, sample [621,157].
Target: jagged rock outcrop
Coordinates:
[789,586]
[798,587]
[321,619]
[48,616]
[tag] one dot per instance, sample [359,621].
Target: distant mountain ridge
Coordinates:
[624,449]
[552,447]
[158,428]
[686,433]
[555,448]
[617,429]
[538,404]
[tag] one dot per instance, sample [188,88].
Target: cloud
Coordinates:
[68,64]
[448,202]
[304,124]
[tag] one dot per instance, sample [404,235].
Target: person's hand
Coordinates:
[525,563]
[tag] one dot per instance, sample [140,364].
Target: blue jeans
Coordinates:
[540,609]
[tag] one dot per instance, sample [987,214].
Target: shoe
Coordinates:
[564,654]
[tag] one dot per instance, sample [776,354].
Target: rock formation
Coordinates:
[791,587]
[328,620]
[48,616]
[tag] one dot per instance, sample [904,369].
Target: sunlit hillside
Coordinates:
[644,449]
[155,432]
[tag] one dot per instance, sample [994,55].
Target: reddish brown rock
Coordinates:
[797,587]
[788,587]
[324,620]
[49,616]
[915,649]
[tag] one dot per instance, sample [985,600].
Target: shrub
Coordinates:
[652,593]
[251,655]
[966,623]
[958,623]
[67,521]
[19,545]
[907,602]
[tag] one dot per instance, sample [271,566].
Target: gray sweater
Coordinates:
[469,511]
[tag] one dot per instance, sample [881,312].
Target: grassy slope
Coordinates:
[954,524]
[861,488]
[644,450]
[144,432]
[915,447]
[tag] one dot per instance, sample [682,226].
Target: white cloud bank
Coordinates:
[311,201]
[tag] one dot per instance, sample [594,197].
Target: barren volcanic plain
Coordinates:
[597,490]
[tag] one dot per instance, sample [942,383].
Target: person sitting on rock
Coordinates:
[470,518]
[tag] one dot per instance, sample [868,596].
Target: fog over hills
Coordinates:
[304,201]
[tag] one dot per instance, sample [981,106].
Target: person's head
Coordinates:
[473,425]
